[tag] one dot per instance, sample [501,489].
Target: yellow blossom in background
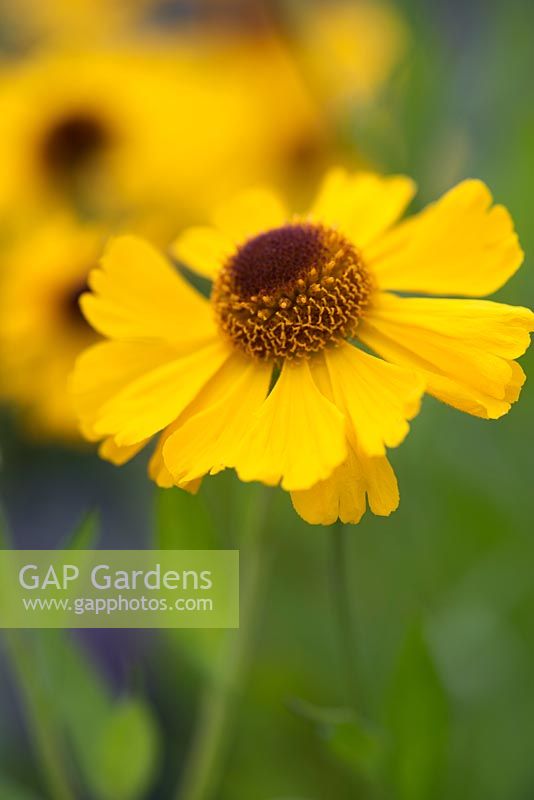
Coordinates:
[41,327]
[80,127]
[267,377]
[146,130]
[280,133]
[70,22]
[350,49]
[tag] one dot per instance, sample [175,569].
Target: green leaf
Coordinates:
[358,746]
[348,737]
[76,691]
[418,721]
[127,753]
[183,521]
[113,745]
[321,715]
[85,535]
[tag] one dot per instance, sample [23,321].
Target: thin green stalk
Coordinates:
[212,738]
[341,594]
[41,730]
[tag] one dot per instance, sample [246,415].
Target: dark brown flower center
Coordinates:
[72,304]
[276,259]
[291,292]
[72,143]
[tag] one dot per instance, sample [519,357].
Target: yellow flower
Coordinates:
[350,49]
[268,377]
[69,22]
[41,327]
[145,129]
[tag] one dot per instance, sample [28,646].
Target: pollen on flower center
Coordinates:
[291,291]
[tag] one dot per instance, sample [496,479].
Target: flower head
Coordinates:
[42,329]
[70,22]
[164,132]
[290,291]
[350,48]
[268,376]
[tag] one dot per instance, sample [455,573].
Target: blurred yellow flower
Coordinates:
[292,297]
[350,49]
[69,22]
[280,135]
[146,129]
[41,327]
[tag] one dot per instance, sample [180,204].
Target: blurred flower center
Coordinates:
[73,143]
[291,292]
[309,152]
[71,305]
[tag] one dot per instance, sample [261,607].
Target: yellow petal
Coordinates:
[358,480]
[159,472]
[203,249]
[104,370]
[341,496]
[154,400]
[192,487]
[351,49]
[137,294]
[157,469]
[380,485]
[345,493]
[297,436]
[109,451]
[207,439]
[250,213]
[462,348]
[460,245]
[513,388]
[362,206]
[377,398]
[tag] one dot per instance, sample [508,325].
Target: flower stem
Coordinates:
[341,594]
[213,733]
[41,729]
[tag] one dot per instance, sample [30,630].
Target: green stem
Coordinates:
[212,737]
[341,594]
[41,730]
